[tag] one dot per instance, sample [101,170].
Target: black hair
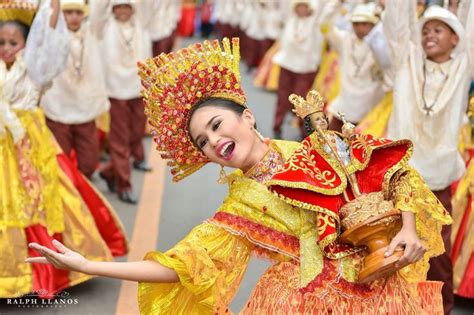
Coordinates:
[308,128]
[22,27]
[219,102]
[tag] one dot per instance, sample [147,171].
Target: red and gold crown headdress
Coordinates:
[173,83]
[21,10]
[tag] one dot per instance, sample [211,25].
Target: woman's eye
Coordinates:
[202,143]
[216,126]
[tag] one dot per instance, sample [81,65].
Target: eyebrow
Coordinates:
[209,123]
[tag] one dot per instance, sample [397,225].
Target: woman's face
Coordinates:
[225,137]
[11,42]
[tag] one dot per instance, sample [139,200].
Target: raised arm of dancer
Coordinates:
[47,45]
[378,44]
[147,11]
[56,10]
[99,13]
[400,27]
[141,271]
[334,35]
[467,8]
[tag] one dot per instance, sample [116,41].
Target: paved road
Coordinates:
[183,206]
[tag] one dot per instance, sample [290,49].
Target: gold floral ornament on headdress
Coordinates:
[173,83]
[20,10]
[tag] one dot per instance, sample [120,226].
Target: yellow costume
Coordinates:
[212,259]
[38,199]
[376,121]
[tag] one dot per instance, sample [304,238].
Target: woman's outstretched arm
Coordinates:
[140,271]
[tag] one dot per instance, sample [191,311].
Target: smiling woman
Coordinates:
[225,132]
[196,106]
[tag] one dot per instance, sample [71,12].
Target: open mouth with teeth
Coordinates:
[226,150]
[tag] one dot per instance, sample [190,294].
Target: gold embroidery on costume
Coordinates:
[301,162]
[210,264]
[410,193]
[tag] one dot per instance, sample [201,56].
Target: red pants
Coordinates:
[441,267]
[164,45]
[255,51]
[288,83]
[227,30]
[80,137]
[127,129]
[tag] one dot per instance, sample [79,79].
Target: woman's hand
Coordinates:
[63,259]
[414,249]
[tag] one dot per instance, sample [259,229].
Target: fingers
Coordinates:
[51,256]
[60,247]
[392,246]
[44,249]
[37,260]
[404,260]
[412,253]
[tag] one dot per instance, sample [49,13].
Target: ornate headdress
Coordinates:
[174,83]
[304,107]
[21,10]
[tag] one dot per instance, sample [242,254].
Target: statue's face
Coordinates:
[320,120]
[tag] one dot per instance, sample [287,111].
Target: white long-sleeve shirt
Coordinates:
[301,44]
[361,71]
[78,94]
[122,46]
[163,17]
[420,83]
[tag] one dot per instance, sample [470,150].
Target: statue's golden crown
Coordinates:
[304,107]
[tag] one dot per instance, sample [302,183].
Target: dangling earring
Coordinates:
[222,176]
[259,135]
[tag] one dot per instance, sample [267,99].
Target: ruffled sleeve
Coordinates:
[9,121]
[210,263]
[46,48]
[469,27]
[410,193]
[400,28]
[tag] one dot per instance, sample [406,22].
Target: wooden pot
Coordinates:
[372,222]
[376,236]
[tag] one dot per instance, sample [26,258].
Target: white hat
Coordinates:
[73,5]
[435,12]
[310,3]
[365,12]
[119,2]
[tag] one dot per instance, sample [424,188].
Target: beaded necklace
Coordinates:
[264,169]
